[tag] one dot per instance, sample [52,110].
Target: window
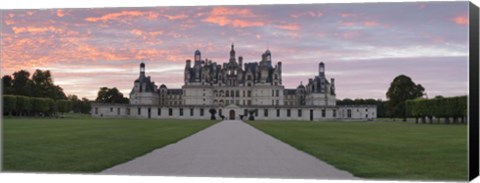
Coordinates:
[139,111]
[323,113]
[181,111]
[349,113]
[278,112]
[366,110]
[201,112]
[273,93]
[245,112]
[191,111]
[299,113]
[249,93]
[237,93]
[118,111]
[231,93]
[170,111]
[288,112]
[159,111]
[265,112]
[277,93]
[334,113]
[249,102]
[243,93]
[111,109]
[256,112]
[96,110]
[227,94]
[277,102]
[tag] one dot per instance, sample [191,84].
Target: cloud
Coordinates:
[122,14]
[460,20]
[146,35]
[34,29]
[290,27]
[370,23]
[234,17]
[220,11]
[176,17]
[60,13]
[308,14]
[350,15]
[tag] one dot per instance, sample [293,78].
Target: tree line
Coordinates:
[406,99]
[38,95]
[439,107]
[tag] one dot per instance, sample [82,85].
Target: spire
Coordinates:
[232,54]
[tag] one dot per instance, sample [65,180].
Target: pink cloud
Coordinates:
[309,13]
[34,29]
[176,17]
[349,15]
[290,27]
[234,17]
[60,13]
[115,16]
[460,20]
[370,23]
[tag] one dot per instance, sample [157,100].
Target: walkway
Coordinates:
[230,149]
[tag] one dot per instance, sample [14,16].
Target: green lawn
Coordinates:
[84,144]
[380,150]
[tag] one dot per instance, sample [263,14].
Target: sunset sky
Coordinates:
[364,46]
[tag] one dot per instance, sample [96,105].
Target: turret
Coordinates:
[321,69]
[198,56]
[142,69]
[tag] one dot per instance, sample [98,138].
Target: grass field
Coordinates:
[84,144]
[380,150]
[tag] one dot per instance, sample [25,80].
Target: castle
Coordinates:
[235,90]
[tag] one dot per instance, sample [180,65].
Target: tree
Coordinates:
[40,105]
[9,104]
[43,86]
[107,95]
[21,83]
[85,106]
[7,82]
[64,106]
[24,105]
[402,89]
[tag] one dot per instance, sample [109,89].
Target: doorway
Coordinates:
[232,115]
[311,115]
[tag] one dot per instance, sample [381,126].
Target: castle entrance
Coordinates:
[231,115]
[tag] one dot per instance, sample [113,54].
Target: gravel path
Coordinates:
[230,149]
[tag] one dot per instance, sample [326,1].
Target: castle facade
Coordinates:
[235,90]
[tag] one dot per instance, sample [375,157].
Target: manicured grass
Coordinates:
[380,150]
[85,144]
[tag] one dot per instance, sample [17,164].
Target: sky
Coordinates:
[363,45]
